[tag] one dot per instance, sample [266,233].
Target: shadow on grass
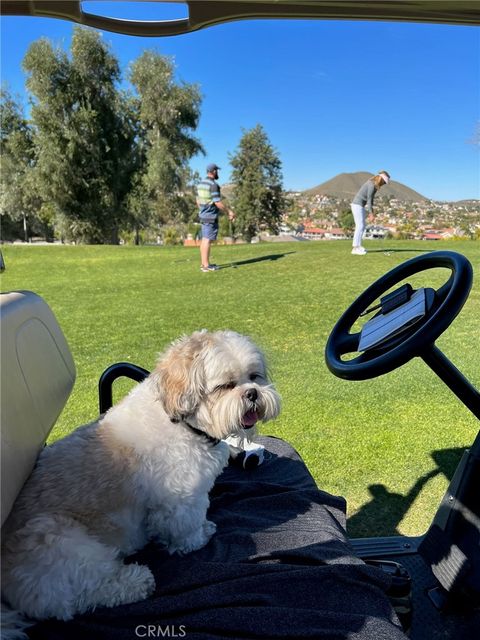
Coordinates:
[241,263]
[382,515]
[387,250]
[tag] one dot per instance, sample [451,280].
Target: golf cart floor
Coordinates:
[428,623]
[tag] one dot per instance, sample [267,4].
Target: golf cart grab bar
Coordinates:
[112,373]
[206,13]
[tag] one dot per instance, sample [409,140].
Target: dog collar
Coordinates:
[213,441]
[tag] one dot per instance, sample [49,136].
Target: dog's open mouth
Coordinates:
[249,419]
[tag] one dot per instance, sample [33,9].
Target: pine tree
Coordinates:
[258,198]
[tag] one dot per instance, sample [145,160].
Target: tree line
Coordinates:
[96,162]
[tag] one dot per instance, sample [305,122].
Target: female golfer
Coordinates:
[363,202]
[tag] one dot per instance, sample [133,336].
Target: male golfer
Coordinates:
[210,205]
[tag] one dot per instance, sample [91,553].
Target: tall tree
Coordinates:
[83,134]
[257,175]
[168,114]
[19,200]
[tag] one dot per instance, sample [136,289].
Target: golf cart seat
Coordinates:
[280,564]
[37,376]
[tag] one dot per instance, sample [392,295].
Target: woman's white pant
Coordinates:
[359,216]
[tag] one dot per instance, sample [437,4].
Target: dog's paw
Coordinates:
[246,460]
[209,528]
[195,541]
[139,582]
[132,583]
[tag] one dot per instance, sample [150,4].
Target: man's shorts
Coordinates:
[210,230]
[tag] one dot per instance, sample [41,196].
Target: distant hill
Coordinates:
[346,185]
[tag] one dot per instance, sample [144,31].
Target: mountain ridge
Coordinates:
[345,186]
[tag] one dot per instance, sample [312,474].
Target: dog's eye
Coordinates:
[227,385]
[255,376]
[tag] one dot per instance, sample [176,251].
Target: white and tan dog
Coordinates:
[141,472]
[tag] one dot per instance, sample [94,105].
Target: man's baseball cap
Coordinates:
[212,167]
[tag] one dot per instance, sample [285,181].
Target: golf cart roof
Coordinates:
[205,13]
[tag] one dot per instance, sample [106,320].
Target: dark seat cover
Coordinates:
[279,566]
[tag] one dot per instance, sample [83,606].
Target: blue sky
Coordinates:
[333,96]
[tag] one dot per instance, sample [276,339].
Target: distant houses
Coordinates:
[438,234]
[376,231]
[399,213]
[431,235]
[322,213]
[336,234]
[312,232]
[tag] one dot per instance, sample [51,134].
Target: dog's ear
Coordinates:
[180,375]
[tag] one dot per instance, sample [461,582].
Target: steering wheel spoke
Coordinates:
[348,343]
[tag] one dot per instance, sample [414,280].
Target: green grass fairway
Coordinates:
[386,444]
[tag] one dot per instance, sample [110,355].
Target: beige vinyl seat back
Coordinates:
[37,375]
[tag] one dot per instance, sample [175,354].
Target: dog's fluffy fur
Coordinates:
[138,473]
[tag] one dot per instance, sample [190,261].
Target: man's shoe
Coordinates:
[211,267]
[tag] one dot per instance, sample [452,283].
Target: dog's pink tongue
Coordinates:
[249,419]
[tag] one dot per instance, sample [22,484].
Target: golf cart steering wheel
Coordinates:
[449,299]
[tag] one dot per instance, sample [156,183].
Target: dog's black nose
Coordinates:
[252,394]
